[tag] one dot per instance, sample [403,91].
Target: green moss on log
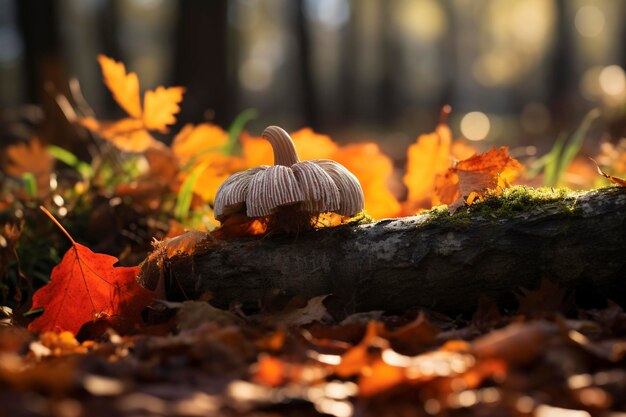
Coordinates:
[512,202]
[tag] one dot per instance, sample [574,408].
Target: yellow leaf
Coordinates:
[426,158]
[311,145]
[198,142]
[124,86]
[373,169]
[256,151]
[160,106]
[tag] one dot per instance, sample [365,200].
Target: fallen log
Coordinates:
[435,261]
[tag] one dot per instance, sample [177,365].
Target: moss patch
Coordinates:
[513,201]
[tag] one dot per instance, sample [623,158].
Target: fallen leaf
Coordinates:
[414,337]
[30,157]
[240,225]
[184,244]
[488,171]
[361,355]
[314,311]
[380,377]
[195,313]
[63,343]
[548,299]
[270,371]
[84,287]
[517,343]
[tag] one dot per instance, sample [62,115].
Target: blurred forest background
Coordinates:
[516,72]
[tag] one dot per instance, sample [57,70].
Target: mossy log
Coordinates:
[435,261]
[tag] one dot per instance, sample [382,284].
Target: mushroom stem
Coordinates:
[284,149]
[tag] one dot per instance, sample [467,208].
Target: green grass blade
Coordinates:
[233,146]
[576,143]
[67,157]
[552,161]
[185,195]
[30,184]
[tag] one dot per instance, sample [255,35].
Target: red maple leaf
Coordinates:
[86,287]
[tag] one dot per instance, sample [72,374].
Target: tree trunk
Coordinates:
[440,263]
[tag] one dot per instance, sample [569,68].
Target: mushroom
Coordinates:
[292,192]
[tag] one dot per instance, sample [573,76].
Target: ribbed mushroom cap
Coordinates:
[351,198]
[232,194]
[319,186]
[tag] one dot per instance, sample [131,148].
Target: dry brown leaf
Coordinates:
[517,343]
[314,311]
[614,180]
[192,314]
[546,300]
[30,157]
[488,171]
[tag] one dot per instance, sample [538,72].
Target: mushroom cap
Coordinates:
[270,188]
[351,198]
[319,186]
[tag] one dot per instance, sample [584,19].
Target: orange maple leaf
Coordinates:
[491,170]
[159,107]
[124,86]
[86,287]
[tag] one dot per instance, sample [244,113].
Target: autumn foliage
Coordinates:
[92,331]
[86,287]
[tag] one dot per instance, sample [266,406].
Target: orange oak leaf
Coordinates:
[491,170]
[84,287]
[124,86]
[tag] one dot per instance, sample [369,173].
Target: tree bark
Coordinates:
[442,264]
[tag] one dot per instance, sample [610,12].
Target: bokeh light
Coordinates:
[589,21]
[475,125]
[612,80]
